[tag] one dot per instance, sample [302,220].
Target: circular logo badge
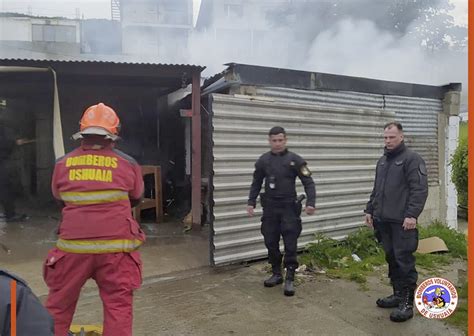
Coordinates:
[436,298]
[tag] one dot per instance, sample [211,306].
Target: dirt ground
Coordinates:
[233,301]
[183,296]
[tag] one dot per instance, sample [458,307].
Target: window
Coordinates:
[54,33]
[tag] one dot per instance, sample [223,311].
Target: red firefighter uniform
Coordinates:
[98,237]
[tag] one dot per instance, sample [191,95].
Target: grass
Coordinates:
[336,256]
[455,241]
[459,317]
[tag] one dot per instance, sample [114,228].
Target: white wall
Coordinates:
[452,136]
[139,12]
[20,28]
[15,29]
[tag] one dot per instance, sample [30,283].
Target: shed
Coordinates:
[336,123]
[153,131]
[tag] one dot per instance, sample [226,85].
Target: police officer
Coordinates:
[397,199]
[281,213]
[32,317]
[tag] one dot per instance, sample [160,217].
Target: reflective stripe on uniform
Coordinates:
[93,197]
[98,246]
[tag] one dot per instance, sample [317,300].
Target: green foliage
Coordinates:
[336,256]
[363,243]
[459,317]
[455,241]
[459,164]
[432,262]
[328,252]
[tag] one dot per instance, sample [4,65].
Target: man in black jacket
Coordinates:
[8,174]
[397,199]
[281,213]
[31,317]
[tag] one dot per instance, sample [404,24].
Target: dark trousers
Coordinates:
[281,219]
[399,246]
[7,190]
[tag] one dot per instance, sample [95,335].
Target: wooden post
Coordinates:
[196,151]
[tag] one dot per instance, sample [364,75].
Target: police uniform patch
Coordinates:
[304,170]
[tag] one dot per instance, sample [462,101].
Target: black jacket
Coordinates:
[7,142]
[32,317]
[401,186]
[281,170]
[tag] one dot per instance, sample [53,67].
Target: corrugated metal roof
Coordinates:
[168,76]
[84,60]
[246,74]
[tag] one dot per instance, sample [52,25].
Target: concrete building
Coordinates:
[156,29]
[243,26]
[101,37]
[23,36]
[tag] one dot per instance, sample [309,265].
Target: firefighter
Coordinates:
[281,213]
[98,237]
[31,317]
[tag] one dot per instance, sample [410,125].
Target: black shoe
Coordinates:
[405,308]
[391,301]
[289,288]
[274,280]
[17,218]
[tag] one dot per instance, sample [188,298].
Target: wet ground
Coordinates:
[233,301]
[183,296]
[24,246]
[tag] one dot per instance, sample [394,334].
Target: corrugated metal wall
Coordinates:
[419,116]
[341,147]
[338,133]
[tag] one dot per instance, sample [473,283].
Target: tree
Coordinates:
[428,21]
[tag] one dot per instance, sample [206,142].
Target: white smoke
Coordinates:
[349,47]
[358,48]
